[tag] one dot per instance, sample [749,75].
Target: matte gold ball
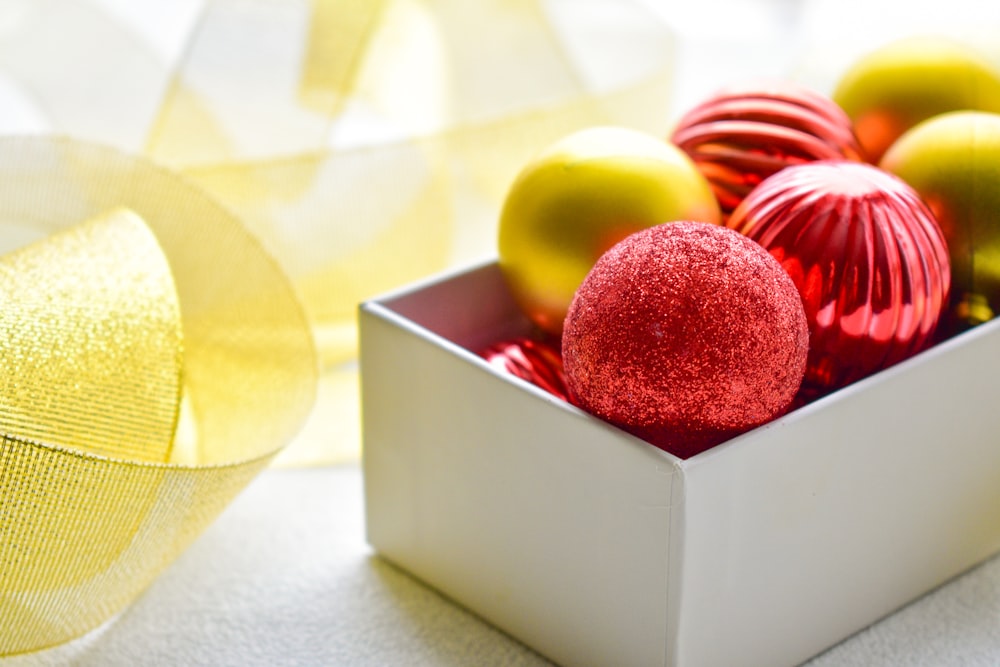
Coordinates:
[953,161]
[903,83]
[578,198]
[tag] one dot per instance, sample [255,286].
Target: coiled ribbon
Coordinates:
[153,358]
[237,181]
[367,143]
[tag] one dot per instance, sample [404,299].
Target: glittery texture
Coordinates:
[68,341]
[865,253]
[535,361]
[141,307]
[740,136]
[685,334]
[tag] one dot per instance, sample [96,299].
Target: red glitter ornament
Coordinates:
[740,136]
[867,257]
[685,334]
[532,360]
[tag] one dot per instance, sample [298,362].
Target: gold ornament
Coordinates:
[953,161]
[580,197]
[893,88]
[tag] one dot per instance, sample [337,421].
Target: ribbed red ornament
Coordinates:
[740,136]
[867,256]
[535,361]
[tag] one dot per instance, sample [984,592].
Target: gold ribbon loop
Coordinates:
[105,326]
[91,341]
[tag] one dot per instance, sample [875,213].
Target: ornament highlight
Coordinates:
[581,196]
[907,81]
[685,334]
[953,161]
[740,136]
[865,253]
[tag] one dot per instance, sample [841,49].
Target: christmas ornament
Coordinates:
[953,161]
[535,361]
[866,255]
[740,136]
[894,88]
[581,196]
[685,334]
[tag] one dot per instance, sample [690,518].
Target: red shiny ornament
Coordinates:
[740,136]
[532,360]
[685,335]
[867,256]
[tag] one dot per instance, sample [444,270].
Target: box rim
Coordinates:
[850,391]
[382,307]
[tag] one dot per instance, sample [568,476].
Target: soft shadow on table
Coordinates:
[453,636]
[955,624]
[285,578]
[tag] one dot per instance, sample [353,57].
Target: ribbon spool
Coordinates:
[154,360]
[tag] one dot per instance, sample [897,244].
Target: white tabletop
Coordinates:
[284,577]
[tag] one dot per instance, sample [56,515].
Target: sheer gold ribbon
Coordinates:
[367,143]
[362,143]
[154,358]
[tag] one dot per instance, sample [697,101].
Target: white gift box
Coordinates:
[596,548]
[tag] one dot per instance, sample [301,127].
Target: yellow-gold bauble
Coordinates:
[910,80]
[953,161]
[578,198]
